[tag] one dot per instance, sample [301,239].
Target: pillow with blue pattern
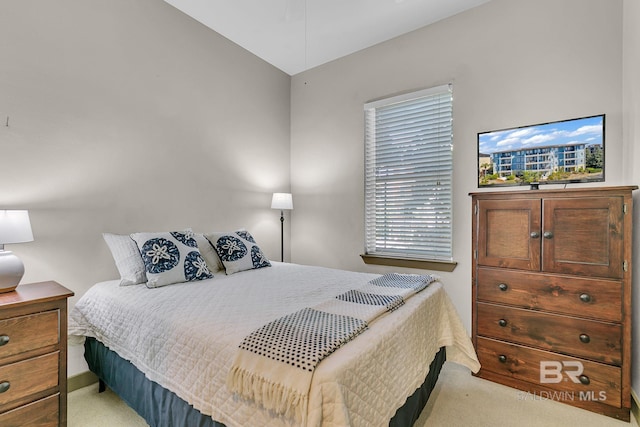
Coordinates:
[171,257]
[238,251]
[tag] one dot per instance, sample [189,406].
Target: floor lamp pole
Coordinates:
[282,235]
[284,202]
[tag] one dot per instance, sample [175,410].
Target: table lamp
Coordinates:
[14,228]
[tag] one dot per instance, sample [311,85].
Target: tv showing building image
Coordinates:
[565,151]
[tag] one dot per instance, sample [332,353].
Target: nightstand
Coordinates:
[33,355]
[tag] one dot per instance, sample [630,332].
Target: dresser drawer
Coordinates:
[575,379]
[590,339]
[584,297]
[28,377]
[25,333]
[41,413]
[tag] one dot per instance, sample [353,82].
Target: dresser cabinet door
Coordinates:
[509,233]
[583,236]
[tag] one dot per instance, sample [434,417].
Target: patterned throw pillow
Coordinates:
[171,258]
[238,251]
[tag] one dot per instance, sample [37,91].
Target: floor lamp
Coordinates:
[282,201]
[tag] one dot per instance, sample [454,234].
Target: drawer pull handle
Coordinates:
[4,386]
[503,287]
[585,297]
[534,234]
[584,379]
[547,235]
[4,339]
[502,358]
[585,338]
[502,323]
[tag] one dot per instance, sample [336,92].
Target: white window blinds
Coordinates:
[408,175]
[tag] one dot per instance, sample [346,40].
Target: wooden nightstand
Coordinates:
[33,355]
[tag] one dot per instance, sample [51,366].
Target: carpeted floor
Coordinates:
[458,400]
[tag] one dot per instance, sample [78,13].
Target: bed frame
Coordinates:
[161,407]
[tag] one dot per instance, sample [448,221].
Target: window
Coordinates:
[408,176]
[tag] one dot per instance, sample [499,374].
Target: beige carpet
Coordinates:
[458,400]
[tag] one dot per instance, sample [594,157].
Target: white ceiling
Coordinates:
[296,35]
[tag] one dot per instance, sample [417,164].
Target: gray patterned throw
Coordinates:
[304,338]
[275,363]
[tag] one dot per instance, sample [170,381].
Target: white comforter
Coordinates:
[185,337]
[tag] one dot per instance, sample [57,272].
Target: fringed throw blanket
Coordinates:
[275,363]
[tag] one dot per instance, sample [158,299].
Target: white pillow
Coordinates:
[238,251]
[127,258]
[171,257]
[208,253]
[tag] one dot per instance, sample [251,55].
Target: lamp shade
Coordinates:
[282,201]
[15,227]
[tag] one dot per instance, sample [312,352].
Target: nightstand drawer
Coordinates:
[28,377]
[41,413]
[580,379]
[584,297]
[25,333]
[590,339]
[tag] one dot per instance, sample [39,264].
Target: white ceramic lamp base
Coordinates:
[11,271]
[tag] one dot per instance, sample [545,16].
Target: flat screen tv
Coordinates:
[566,151]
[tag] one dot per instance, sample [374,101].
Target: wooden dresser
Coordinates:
[552,294]
[33,355]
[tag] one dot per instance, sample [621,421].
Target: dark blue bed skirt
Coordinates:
[163,408]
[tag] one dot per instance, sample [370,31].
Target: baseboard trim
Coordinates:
[84,379]
[635,406]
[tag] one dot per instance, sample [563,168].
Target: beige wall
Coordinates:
[631,138]
[512,62]
[128,116]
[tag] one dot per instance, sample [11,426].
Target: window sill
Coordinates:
[422,264]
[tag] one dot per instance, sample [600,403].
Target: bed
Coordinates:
[168,351]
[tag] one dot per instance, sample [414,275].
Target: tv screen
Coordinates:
[566,151]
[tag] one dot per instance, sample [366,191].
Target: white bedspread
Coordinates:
[185,337]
